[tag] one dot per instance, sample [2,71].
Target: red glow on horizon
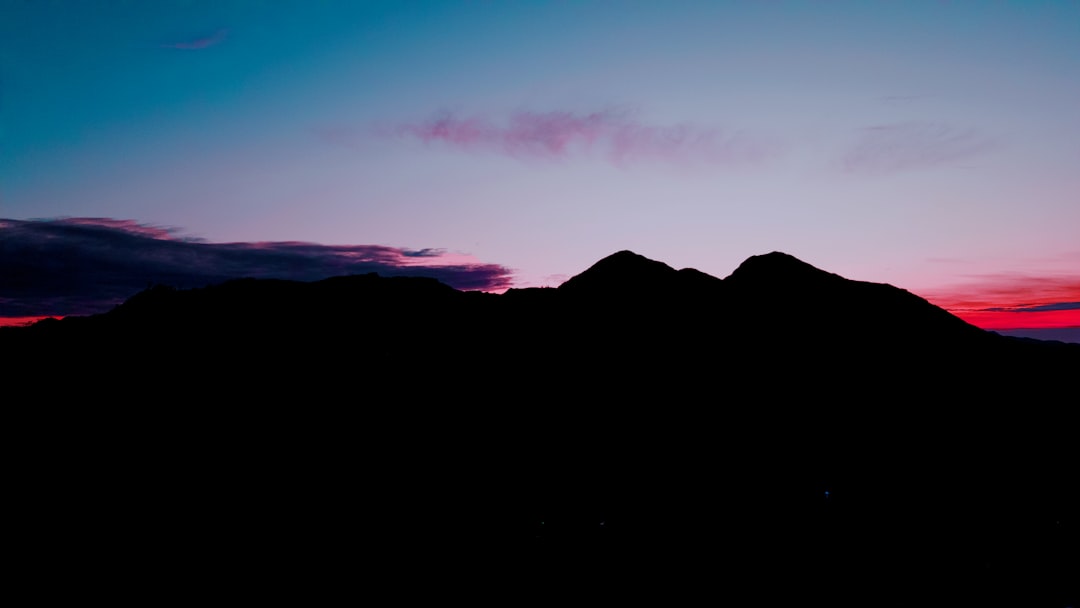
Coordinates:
[1005,302]
[994,320]
[20,321]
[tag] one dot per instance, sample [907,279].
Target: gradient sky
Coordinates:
[931,145]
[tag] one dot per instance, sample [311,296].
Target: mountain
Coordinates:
[782,432]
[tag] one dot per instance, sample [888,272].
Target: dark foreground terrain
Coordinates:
[782,436]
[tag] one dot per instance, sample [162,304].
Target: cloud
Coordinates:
[79,266]
[559,134]
[199,43]
[427,252]
[912,146]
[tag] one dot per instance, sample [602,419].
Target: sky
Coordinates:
[934,146]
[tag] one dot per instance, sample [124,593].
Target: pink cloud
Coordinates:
[459,132]
[615,134]
[554,133]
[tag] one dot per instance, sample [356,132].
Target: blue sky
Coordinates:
[931,145]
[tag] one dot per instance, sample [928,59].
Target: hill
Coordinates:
[782,432]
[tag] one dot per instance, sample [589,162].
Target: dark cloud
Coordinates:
[912,146]
[427,252]
[76,266]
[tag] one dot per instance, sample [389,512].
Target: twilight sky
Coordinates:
[931,145]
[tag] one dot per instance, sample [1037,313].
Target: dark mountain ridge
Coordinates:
[782,428]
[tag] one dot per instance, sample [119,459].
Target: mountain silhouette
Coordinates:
[621,273]
[782,432]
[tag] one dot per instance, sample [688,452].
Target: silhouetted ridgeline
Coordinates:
[663,424]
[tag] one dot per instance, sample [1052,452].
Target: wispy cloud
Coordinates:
[909,146]
[76,266]
[201,42]
[615,134]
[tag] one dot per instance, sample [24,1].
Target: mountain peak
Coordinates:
[626,258]
[778,266]
[621,271]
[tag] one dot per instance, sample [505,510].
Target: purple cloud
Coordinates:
[559,134]
[910,146]
[79,266]
[201,42]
